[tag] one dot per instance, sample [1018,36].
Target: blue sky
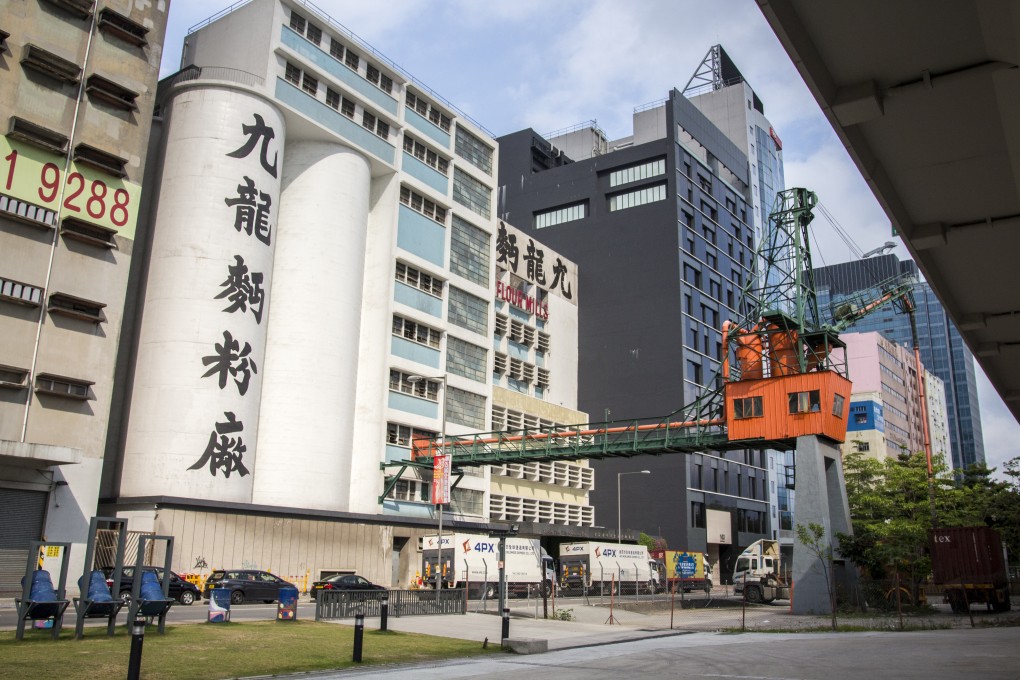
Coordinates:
[549,64]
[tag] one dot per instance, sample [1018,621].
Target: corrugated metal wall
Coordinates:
[288,547]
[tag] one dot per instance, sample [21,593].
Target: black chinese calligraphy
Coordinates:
[535,258]
[243,289]
[506,247]
[251,216]
[223,452]
[259,132]
[560,278]
[230,359]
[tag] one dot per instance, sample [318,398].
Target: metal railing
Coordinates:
[346,604]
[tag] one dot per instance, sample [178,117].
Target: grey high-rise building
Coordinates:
[943,351]
[662,229]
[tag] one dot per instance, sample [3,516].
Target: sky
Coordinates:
[551,64]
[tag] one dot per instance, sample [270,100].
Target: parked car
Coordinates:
[246,585]
[344,582]
[183,591]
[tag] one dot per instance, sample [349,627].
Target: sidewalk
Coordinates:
[589,628]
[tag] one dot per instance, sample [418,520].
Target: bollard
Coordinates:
[137,638]
[359,634]
[506,624]
[384,610]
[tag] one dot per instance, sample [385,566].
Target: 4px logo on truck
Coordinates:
[479,546]
[605,552]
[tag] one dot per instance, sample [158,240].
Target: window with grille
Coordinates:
[72,388]
[419,203]
[416,332]
[471,193]
[516,331]
[465,408]
[292,74]
[543,379]
[379,79]
[419,279]
[22,293]
[465,359]
[351,60]
[403,435]
[468,311]
[425,389]
[310,84]
[501,322]
[499,364]
[429,111]
[426,155]
[469,251]
[473,150]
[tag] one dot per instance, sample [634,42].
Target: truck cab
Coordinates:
[756,573]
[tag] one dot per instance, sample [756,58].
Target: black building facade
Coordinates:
[660,227]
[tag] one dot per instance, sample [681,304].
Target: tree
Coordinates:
[813,538]
[651,542]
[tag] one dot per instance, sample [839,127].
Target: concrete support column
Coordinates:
[821,499]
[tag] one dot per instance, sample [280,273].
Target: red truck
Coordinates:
[969,564]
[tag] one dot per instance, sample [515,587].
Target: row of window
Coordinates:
[426,207]
[638,172]
[568,213]
[419,279]
[520,371]
[416,332]
[518,509]
[426,155]
[558,473]
[12,377]
[341,53]
[632,199]
[427,110]
[521,333]
[310,84]
[799,402]
[420,387]
[59,303]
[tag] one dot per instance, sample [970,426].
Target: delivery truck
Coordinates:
[472,561]
[608,568]
[969,565]
[684,570]
[757,572]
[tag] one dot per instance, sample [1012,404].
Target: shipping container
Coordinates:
[969,563]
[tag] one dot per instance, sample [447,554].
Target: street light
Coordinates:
[414,379]
[618,475]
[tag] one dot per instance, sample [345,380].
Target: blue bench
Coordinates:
[42,603]
[98,603]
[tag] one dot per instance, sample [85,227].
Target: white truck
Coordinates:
[608,568]
[757,572]
[472,561]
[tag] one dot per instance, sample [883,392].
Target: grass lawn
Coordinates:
[214,651]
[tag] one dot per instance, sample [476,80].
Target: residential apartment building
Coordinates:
[886,419]
[662,231]
[943,351]
[323,287]
[78,84]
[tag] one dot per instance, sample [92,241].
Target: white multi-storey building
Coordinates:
[319,291]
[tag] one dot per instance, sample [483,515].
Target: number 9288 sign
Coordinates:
[35,176]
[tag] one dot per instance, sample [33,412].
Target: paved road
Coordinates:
[988,654]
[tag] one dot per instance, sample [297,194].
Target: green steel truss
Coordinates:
[699,426]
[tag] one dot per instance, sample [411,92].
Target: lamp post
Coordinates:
[414,379]
[618,475]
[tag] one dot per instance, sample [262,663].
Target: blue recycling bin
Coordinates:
[219,605]
[286,607]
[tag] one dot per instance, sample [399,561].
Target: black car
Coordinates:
[183,591]
[344,582]
[246,585]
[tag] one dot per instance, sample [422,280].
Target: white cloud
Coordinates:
[1001,431]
